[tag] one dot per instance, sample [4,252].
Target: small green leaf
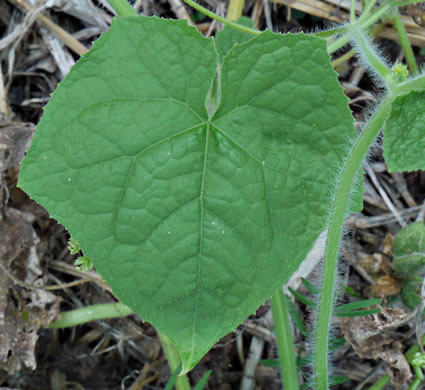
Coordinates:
[358,304]
[173,378]
[404,140]
[83,264]
[304,361]
[270,362]
[195,199]
[312,289]
[353,309]
[357,313]
[409,250]
[335,343]
[350,291]
[302,298]
[410,293]
[201,384]
[74,247]
[337,380]
[295,315]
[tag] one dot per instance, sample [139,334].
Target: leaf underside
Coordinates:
[404,141]
[195,200]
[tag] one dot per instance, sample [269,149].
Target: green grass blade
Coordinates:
[200,385]
[302,298]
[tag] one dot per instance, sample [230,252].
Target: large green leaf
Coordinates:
[196,189]
[404,141]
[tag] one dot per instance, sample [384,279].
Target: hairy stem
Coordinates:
[122,8]
[336,224]
[417,83]
[363,23]
[353,11]
[368,8]
[378,65]
[174,361]
[405,44]
[285,341]
[234,12]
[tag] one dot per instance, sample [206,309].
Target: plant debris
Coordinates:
[22,312]
[370,338]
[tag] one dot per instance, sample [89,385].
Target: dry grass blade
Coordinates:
[338,12]
[20,30]
[4,110]
[63,35]
[180,11]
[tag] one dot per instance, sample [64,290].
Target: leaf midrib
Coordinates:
[201,202]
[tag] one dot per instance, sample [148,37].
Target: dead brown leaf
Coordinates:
[376,263]
[370,338]
[387,286]
[14,141]
[22,311]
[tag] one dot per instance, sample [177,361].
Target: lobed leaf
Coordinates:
[197,189]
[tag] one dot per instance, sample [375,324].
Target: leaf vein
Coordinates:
[260,163]
[201,198]
[122,194]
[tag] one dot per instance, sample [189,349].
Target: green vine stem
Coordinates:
[212,15]
[90,313]
[336,223]
[405,44]
[174,361]
[122,8]
[115,310]
[234,12]
[363,23]
[353,11]
[285,341]
[378,65]
[338,212]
